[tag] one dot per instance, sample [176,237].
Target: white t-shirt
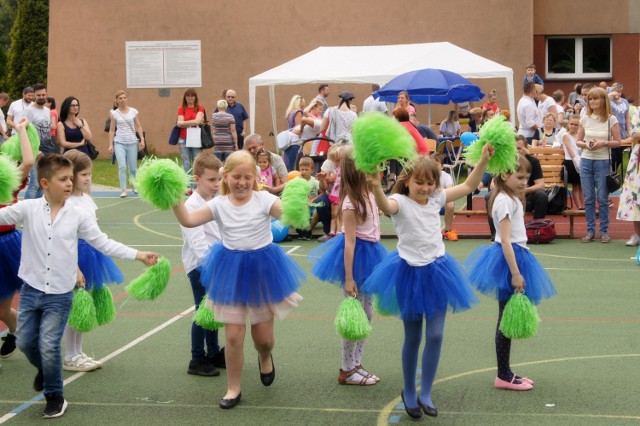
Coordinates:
[446,180]
[85,202]
[596,130]
[572,141]
[125,126]
[418,228]
[246,227]
[505,206]
[16,109]
[311,131]
[41,120]
[371,104]
[543,107]
[197,240]
[3,122]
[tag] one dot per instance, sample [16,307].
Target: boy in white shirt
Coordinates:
[48,268]
[446,181]
[206,174]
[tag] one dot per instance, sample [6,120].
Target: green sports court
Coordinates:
[585,359]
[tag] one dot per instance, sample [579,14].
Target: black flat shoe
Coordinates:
[268,378]
[429,411]
[227,404]
[414,413]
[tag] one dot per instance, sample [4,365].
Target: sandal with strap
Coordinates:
[352,377]
[360,370]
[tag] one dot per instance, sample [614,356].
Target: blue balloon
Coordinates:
[467,138]
[278,230]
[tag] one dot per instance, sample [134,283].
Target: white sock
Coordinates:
[69,342]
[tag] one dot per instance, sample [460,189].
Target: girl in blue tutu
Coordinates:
[246,275]
[507,265]
[348,259]
[420,280]
[95,270]
[10,244]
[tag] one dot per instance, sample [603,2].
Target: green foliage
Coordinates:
[27,62]
[8,9]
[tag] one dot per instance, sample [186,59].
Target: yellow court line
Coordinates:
[387,409]
[136,221]
[114,204]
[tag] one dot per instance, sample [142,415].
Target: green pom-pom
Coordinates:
[378,138]
[351,320]
[152,282]
[13,148]
[499,133]
[295,203]
[10,178]
[105,307]
[83,312]
[204,317]
[520,318]
[161,182]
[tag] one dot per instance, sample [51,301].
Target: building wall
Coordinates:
[242,39]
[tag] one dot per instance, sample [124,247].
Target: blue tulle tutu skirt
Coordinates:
[249,277]
[98,269]
[10,247]
[488,271]
[329,260]
[414,292]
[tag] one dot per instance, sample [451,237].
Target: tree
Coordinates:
[7,16]
[27,62]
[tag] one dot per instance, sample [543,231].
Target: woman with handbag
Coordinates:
[225,137]
[190,115]
[599,132]
[123,139]
[73,132]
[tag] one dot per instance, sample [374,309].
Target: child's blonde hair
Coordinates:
[306,161]
[80,160]
[335,151]
[500,183]
[420,168]
[238,158]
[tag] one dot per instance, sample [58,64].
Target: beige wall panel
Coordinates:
[242,39]
[553,17]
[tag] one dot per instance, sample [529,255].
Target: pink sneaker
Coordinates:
[522,386]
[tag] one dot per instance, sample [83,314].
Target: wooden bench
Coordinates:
[552,164]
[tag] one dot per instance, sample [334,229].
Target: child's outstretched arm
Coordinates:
[194,218]
[474,179]
[25,148]
[517,281]
[389,207]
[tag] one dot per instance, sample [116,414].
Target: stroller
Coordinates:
[316,148]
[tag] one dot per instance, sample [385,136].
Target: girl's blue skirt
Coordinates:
[488,272]
[329,260]
[10,246]
[418,291]
[249,277]
[98,269]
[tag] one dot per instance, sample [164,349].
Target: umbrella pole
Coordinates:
[429,111]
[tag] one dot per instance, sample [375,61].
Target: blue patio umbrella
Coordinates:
[430,86]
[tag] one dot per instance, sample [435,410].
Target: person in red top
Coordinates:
[190,114]
[402,115]
[493,102]
[10,243]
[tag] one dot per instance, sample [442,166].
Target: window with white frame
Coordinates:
[579,57]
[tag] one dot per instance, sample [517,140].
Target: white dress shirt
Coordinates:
[197,240]
[50,250]
[527,116]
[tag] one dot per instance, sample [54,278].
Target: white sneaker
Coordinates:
[123,194]
[633,241]
[79,363]
[89,359]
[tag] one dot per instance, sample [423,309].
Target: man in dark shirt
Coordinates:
[537,200]
[425,131]
[239,113]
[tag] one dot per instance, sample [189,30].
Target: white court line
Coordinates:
[292,249]
[113,354]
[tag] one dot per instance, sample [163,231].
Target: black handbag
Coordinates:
[614,181]
[92,151]
[206,138]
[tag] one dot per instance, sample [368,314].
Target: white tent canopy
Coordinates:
[375,64]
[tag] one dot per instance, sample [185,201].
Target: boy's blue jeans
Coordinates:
[199,336]
[41,321]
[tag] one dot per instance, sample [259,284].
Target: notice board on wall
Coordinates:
[158,64]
